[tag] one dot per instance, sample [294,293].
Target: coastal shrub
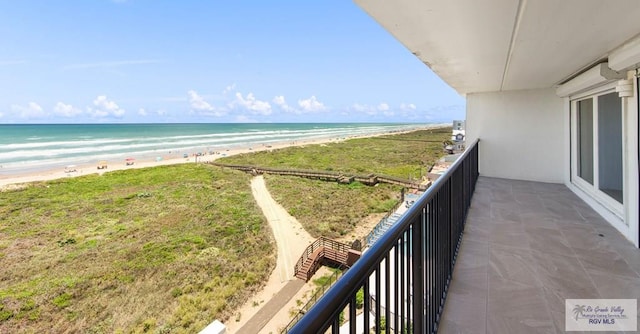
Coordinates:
[162,249]
[407,155]
[333,210]
[360,298]
[330,209]
[63,300]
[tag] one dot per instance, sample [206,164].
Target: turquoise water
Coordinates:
[39,147]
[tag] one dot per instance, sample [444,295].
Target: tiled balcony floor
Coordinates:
[527,247]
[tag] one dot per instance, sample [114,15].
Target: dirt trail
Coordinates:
[291,239]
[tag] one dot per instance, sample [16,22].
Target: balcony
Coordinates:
[523,249]
[526,248]
[403,277]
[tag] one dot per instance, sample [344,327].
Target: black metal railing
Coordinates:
[407,272]
[314,298]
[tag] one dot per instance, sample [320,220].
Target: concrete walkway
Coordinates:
[273,306]
[291,240]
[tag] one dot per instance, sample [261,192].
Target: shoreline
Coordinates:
[16,180]
[275,282]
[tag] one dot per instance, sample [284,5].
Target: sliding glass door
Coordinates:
[610,145]
[597,150]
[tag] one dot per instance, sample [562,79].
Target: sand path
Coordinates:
[291,239]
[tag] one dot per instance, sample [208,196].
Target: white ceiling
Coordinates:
[493,45]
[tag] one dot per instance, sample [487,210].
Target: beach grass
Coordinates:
[406,155]
[171,248]
[330,209]
[333,210]
[163,249]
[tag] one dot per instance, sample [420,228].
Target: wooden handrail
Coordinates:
[371,179]
[321,243]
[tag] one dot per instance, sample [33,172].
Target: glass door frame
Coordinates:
[593,190]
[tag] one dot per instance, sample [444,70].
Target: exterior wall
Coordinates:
[521,134]
[625,222]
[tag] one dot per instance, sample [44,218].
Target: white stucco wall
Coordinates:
[521,134]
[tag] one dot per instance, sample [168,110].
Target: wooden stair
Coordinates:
[309,262]
[323,251]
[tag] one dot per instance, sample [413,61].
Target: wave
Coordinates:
[20,155]
[102,141]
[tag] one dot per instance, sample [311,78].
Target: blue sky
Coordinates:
[152,61]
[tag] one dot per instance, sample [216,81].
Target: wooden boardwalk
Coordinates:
[324,251]
[371,179]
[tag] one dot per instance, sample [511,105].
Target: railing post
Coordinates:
[428,237]
[417,260]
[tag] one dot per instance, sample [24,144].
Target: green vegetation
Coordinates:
[360,298]
[330,209]
[163,249]
[401,155]
[170,248]
[333,210]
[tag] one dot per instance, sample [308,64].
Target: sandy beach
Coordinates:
[8,181]
[15,179]
[283,233]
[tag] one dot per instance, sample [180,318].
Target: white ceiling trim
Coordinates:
[514,34]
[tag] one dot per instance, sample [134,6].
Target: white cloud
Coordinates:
[105,108]
[359,107]
[367,109]
[229,89]
[311,105]
[409,106]
[282,103]
[198,103]
[144,112]
[201,107]
[66,110]
[32,110]
[383,107]
[173,99]
[252,104]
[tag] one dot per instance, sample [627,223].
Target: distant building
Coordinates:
[458,125]
[458,135]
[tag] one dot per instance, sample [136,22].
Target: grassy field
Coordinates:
[170,248]
[330,209]
[164,249]
[402,155]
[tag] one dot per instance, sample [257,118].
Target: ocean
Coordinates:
[30,148]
